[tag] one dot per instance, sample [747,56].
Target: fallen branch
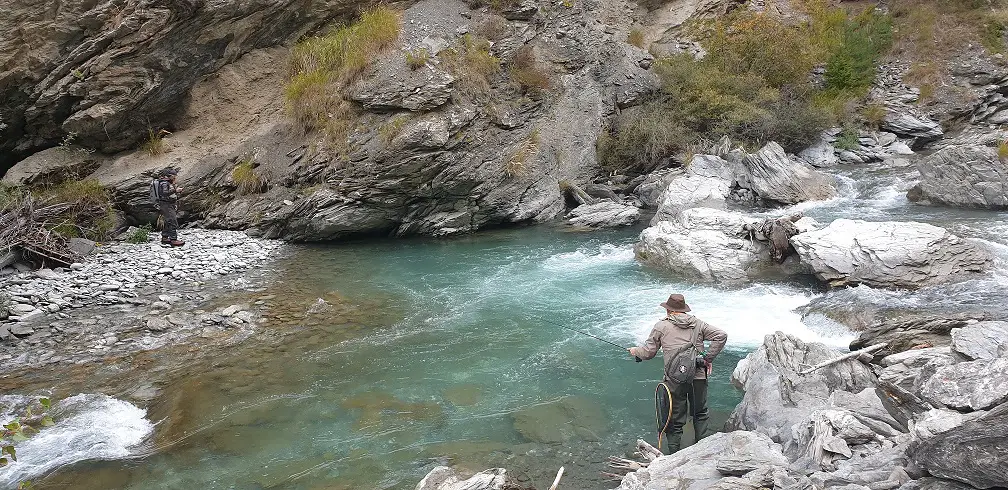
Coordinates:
[849,355]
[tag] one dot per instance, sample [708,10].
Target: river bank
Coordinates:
[129,297]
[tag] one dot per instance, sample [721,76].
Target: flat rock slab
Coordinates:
[973,385]
[605,214]
[984,340]
[887,254]
[965,176]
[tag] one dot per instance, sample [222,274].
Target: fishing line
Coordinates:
[565,327]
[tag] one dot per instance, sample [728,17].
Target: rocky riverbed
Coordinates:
[126,297]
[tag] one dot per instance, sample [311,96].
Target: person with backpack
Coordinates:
[164,195]
[688,364]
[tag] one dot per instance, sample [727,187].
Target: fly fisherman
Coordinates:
[687,366]
[164,193]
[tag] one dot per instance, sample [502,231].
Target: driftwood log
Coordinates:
[849,355]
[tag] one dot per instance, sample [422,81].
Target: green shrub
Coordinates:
[851,66]
[321,67]
[848,139]
[417,58]
[141,234]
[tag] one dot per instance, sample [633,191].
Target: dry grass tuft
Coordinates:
[246,178]
[155,145]
[417,58]
[636,37]
[525,70]
[472,63]
[321,67]
[874,115]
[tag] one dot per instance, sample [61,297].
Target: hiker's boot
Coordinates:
[166,241]
[176,243]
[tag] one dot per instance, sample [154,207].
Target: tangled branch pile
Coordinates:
[40,224]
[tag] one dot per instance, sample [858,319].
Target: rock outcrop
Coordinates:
[102,73]
[974,453]
[887,254]
[772,177]
[972,385]
[705,182]
[908,122]
[983,340]
[964,176]
[708,461]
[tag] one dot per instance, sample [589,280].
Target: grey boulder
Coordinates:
[973,385]
[905,121]
[975,453]
[776,178]
[697,467]
[705,182]
[704,244]
[605,214]
[984,340]
[445,478]
[965,176]
[887,254]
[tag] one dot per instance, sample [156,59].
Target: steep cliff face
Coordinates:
[102,72]
[424,155]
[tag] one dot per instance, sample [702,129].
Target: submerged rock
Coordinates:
[965,176]
[445,478]
[887,254]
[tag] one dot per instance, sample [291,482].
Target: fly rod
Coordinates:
[565,327]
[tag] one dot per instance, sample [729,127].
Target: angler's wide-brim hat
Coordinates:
[676,302]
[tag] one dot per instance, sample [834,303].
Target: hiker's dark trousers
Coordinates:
[686,400]
[170,215]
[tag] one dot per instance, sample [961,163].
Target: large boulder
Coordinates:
[905,121]
[776,178]
[604,214]
[905,369]
[887,254]
[975,452]
[983,340]
[965,176]
[702,243]
[445,478]
[973,385]
[697,467]
[705,182]
[779,402]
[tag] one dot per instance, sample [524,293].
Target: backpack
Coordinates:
[155,193]
[683,367]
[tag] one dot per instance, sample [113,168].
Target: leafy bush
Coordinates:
[848,139]
[851,66]
[321,67]
[33,419]
[472,64]
[417,58]
[141,234]
[636,38]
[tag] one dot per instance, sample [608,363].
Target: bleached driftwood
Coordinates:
[849,355]
[556,481]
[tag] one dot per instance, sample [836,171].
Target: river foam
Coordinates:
[88,427]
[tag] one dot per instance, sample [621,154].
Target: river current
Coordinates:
[382,359]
